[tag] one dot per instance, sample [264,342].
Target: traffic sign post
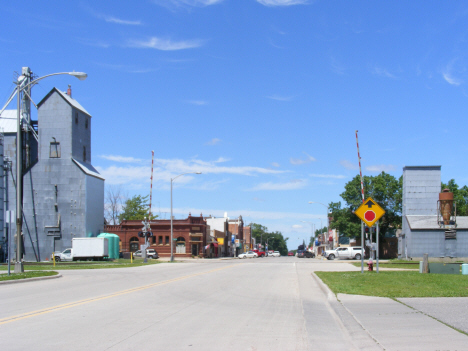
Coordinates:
[370,212]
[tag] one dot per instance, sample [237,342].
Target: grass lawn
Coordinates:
[390,265]
[396,284]
[120,263]
[31,274]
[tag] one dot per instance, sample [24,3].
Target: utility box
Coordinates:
[444,268]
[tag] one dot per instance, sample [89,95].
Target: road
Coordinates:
[253,304]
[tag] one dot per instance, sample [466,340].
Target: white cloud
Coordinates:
[381,168]
[275,164]
[297,226]
[280,98]
[247,215]
[165,44]
[333,176]
[382,72]
[197,102]
[448,74]
[111,19]
[121,159]
[291,185]
[187,3]
[301,161]
[336,66]
[213,141]
[348,165]
[282,2]
[165,169]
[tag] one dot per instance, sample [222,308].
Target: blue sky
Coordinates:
[262,96]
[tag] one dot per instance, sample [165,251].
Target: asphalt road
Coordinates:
[253,304]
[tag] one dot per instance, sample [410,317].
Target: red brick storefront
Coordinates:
[190,235]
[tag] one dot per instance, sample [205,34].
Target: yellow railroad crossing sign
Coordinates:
[369,212]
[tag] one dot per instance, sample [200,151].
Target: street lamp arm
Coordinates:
[79,75]
[172,179]
[315,202]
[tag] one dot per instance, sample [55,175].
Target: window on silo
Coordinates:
[76,117]
[84,153]
[54,150]
[86,123]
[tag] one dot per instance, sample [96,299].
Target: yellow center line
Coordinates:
[85,301]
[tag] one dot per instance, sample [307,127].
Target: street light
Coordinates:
[312,227]
[172,228]
[22,85]
[328,223]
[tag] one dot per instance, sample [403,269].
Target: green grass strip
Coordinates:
[32,274]
[396,284]
[120,263]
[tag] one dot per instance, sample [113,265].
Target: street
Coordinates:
[252,304]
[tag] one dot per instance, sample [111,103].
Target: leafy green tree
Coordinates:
[275,240]
[384,188]
[135,208]
[460,196]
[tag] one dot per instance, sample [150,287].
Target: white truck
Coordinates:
[85,249]
[352,252]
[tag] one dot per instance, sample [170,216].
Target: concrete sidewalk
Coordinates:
[397,326]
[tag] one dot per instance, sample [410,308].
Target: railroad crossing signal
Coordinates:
[369,212]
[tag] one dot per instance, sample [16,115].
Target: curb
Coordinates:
[30,279]
[359,336]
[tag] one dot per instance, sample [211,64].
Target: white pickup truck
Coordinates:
[352,252]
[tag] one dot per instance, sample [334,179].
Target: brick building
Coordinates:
[189,236]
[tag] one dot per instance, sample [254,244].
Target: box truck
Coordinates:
[85,249]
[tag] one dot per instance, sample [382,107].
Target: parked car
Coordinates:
[305,253]
[249,254]
[276,254]
[259,253]
[150,253]
[352,252]
[290,253]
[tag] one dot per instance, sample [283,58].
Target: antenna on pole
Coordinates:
[360,171]
[151,188]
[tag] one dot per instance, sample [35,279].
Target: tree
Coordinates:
[135,208]
[384,188]
[113,204]
[275,240]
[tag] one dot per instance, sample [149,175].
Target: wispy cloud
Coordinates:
[282,2]
[275,164]
[348,165]
[297,226]
[112,19]
[381,168]
[448,73]
[213,141]
[197,102]
[336,66]
[280,98]
[328,176]
[186,3]
[133,170]
[291,185]
[165,44]
[94,42]
[121,159]
[382,72]
[301,161]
